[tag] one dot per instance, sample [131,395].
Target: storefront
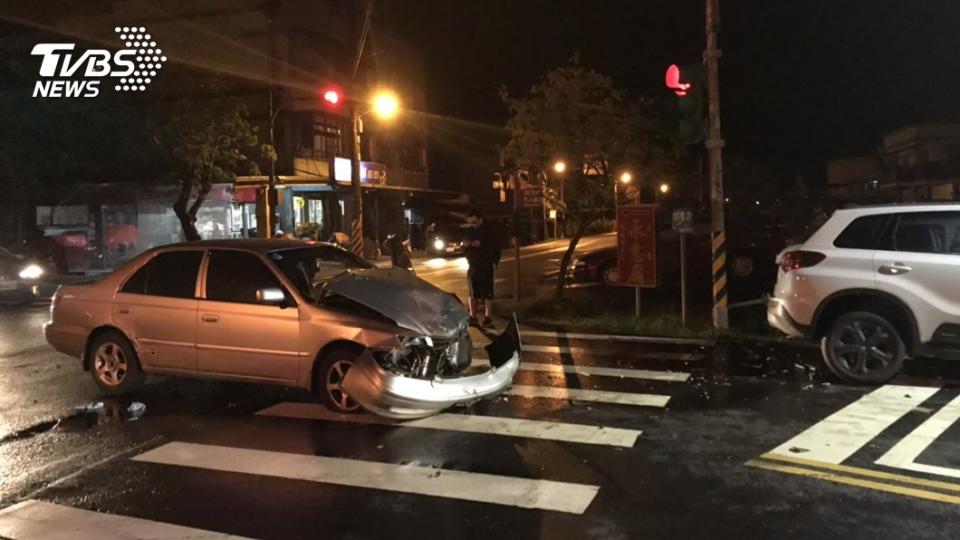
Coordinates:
[101,226]
[312,207]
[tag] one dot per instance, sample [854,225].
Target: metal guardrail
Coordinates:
[762,300]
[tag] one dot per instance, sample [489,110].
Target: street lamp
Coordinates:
[559,167]
[385,105]
[625,178]
[664,188]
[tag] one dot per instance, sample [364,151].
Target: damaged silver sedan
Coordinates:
[281,312]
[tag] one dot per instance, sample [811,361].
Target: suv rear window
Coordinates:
[863,232]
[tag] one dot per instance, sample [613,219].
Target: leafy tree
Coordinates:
[579,116]
[208,140]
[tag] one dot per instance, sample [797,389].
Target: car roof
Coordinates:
[900,207]
[258,245]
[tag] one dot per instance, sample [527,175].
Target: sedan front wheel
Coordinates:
[332,370]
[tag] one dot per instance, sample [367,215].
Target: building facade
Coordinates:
[915,163]
[279,56]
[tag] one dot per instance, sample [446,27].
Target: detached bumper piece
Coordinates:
[396,396]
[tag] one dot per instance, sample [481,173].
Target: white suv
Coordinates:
[875,285]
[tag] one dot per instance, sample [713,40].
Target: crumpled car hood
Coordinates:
[401,296]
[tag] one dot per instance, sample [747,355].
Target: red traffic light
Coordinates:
[331,96]
[673,81]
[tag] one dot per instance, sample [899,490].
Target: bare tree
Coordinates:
[209,140]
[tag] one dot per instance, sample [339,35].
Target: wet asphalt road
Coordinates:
[197,454]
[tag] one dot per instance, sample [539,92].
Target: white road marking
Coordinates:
[580,351]
[594,371]
[904,454]
[33,520]
[840,435]
[614,337]
[600,396]
[510,427]
[416,479]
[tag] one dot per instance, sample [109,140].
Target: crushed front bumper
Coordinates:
[397,396]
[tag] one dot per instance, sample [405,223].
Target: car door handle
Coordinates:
[123,311]
[894,270]
[209,318]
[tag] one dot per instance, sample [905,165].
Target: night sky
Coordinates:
[801,82]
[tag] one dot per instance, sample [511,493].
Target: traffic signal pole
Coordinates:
[714,145]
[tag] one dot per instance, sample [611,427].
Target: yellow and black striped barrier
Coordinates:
[719,279]
[356,237]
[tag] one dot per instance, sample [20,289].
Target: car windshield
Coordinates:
[308,268]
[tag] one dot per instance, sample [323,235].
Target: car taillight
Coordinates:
[800,259]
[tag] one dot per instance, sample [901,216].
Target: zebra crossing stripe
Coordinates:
[415,479]
[33,519]
[599,396]
[558,349]
[840,435]
[904,454]
[597,371]
[578,351]
[511,427]
[614,337]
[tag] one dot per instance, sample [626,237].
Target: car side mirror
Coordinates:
[272,296]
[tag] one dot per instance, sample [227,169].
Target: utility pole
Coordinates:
[714,144]
[517,193]
[356,231]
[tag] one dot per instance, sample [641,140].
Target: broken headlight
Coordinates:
[424,357]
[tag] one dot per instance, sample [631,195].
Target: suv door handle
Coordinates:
[209,318]
[894,270]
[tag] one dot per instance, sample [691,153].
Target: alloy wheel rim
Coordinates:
[334,381]
[862,347]
[110,363]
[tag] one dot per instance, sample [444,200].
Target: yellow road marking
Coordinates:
[950,486]
[859,482]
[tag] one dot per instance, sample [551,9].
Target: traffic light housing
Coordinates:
[332,96]
[689,84]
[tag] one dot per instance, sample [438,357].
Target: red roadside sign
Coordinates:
[637,245]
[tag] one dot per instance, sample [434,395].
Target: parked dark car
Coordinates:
[749,259]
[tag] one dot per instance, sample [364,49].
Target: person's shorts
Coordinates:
[480,277]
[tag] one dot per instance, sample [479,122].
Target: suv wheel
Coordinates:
[863,347]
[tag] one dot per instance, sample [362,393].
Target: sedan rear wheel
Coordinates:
[863,347]
[114,364]
[333,369]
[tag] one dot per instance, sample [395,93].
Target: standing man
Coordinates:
[483,252]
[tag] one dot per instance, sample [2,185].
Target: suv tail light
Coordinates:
[800,259]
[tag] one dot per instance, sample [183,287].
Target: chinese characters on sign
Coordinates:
[637,245]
